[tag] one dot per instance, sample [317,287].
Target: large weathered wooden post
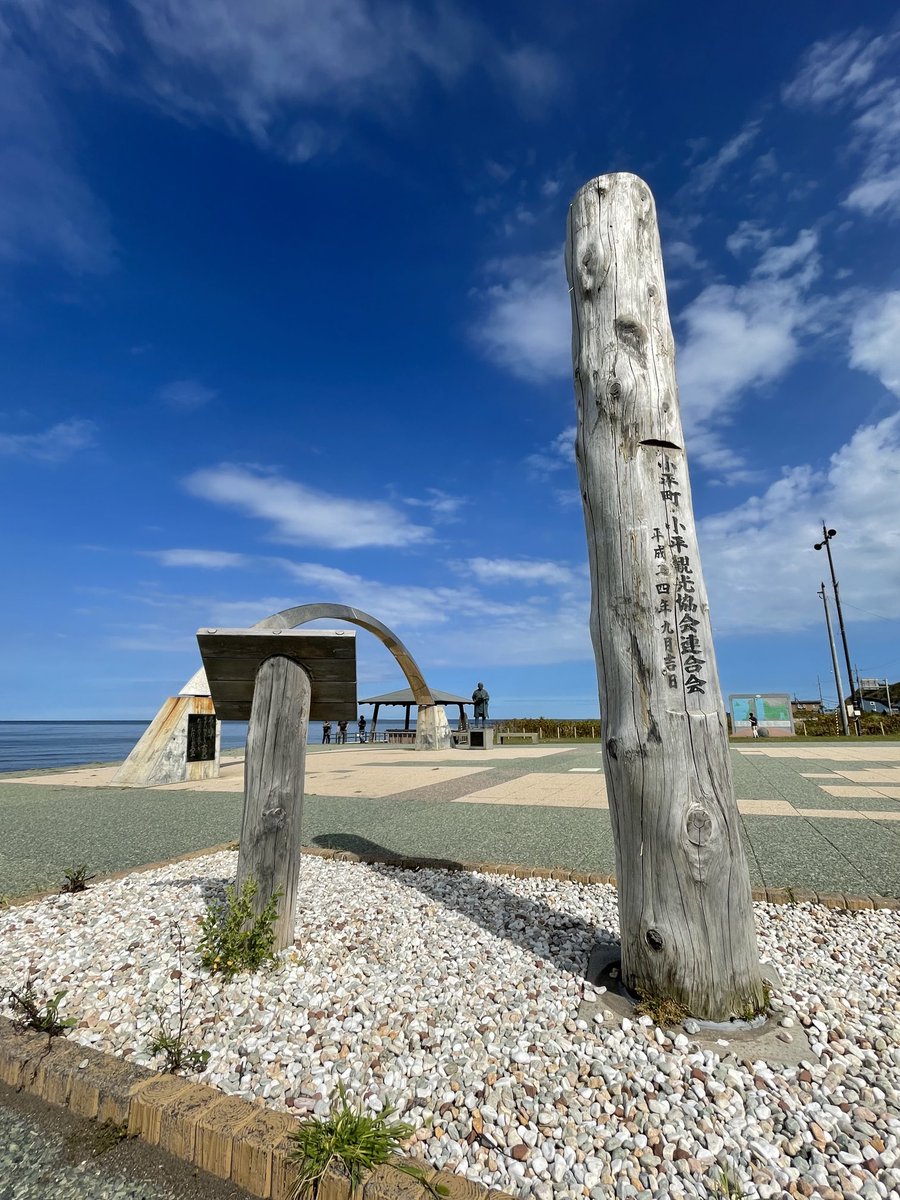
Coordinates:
[278,680]
[684,892]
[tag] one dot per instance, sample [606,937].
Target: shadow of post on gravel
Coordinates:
[556,936]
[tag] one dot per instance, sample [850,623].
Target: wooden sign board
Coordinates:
[232,657]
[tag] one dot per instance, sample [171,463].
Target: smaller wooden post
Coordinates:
[273,789]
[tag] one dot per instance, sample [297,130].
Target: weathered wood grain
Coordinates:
[273,789]
[684,890]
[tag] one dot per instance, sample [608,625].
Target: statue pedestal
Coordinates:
[481,739]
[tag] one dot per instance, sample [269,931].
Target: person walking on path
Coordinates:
[342,733]
[326,733]
[362,727]
[754,725]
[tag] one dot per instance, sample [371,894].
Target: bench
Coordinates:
[517,736]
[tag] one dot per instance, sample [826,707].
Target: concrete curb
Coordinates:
[764,895]
[852,903]
[226,1136]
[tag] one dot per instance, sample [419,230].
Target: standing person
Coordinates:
[362,727]
[754,725]
[326,733]
[342,732]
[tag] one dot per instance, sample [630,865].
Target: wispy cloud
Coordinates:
[303,515]
[442,506]
[186,394]
[285,75]
[705,175]
[55,444]
[835,68]
[525,326]
[207,559]
[860,72]
[521,570]
[47,209]
[558,455]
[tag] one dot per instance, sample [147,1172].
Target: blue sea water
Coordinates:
[36,745]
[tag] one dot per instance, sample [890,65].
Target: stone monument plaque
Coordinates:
[201,737]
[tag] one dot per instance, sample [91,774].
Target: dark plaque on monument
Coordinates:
[201,737]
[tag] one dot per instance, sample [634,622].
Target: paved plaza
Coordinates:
[817,815]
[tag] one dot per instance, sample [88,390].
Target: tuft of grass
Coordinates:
[663,1011]
[727,1187]
[356,1140]
[36,1010]
[233,938]
[76,879]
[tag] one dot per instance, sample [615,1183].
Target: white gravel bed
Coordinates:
[455,996]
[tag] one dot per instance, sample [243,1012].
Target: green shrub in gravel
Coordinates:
[77,879]
[234,939]
[355,1140]
[34,1010]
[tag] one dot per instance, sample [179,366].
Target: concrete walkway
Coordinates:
[822,816]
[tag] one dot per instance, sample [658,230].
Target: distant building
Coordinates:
[804,707]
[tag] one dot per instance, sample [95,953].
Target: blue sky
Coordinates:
[283,318]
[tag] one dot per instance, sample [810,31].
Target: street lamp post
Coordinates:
[827,535]
[842,708]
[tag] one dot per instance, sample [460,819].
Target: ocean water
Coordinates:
[36,745]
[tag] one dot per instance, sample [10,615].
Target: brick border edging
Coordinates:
[789,895]
[226,1136]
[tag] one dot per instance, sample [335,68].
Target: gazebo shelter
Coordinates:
[405,699]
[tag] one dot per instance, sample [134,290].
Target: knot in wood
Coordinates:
[274,818]
[653,939]
[699,826]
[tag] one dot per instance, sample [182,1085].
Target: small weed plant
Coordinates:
[170,1041]
[233,938]
[727,1187]
[35,1010]
[76,879]
[355,1140]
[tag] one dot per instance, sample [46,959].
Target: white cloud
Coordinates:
[749,235]
[442,505]
[707,174]
[557,456]
[860,71]
[738,338]
[834,68]
[186,394]
[55,444]
[210,559]
[303,515]
[46,207]
[520,570]
[760,565]
[875,340]
[525,324]
[283,72]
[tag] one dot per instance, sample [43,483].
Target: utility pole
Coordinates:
[845,727]
[827,535]
[887,688]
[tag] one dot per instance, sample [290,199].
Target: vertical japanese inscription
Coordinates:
[676,588]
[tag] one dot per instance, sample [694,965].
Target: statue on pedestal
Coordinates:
[480,699]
